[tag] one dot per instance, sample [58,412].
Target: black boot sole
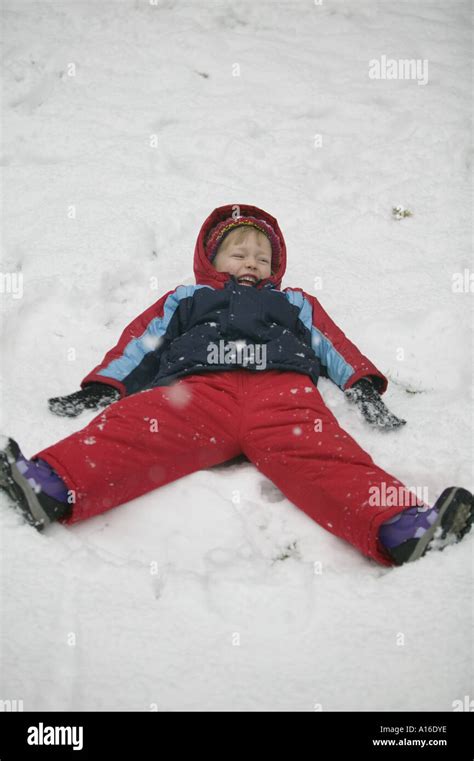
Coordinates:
[455,517]
[20,490]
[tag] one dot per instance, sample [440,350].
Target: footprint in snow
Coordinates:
[270,492]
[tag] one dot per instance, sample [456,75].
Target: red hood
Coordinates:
[204,271]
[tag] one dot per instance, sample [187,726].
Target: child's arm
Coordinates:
[341,360]
[134,361]
[344,364]
[125,369]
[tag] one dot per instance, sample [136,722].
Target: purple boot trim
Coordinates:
[43,478]
[409,524]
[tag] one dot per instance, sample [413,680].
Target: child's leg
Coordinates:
[295,440]
[147,440]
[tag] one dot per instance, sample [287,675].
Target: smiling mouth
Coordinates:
[247,280]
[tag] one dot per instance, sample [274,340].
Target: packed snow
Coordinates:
[124,124]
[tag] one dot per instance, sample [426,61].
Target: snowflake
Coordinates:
[151,342]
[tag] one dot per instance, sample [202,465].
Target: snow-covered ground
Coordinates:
[124,124]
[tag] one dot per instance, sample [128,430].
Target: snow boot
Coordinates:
[38,492]
[412,533]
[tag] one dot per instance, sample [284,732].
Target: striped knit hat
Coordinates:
[226,226]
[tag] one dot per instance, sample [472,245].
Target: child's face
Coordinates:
[250,260]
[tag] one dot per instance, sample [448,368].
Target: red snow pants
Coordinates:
[276,418]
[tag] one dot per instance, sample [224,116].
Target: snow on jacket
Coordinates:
[218,324]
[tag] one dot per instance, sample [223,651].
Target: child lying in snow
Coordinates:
[224,367]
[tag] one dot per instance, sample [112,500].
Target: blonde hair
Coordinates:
[239,235]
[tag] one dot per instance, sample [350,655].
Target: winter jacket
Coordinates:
[218,324]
